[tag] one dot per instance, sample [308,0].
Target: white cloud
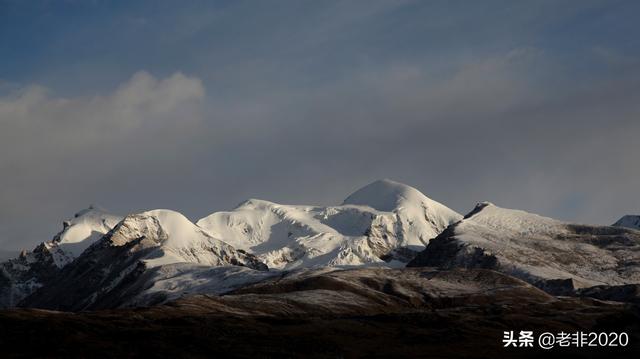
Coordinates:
[141,99]
[54,146]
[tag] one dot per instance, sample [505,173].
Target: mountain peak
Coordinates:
[89,210]
[385,195]
[253,203]
[84,228]
[164,225]
[478,208]
[629,221]
[514,220]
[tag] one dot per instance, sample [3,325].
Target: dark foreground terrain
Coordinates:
[417,312]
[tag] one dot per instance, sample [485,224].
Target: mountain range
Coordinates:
[103,261]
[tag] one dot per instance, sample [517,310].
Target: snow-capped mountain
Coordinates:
[554,255]
[383,223]
[420,218]
[104,261]
[21,276]
[629,221]
[158,255]
[79,232]
[116,267]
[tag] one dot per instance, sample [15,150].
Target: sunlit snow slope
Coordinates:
[382,223]
[554,255]
[119,265]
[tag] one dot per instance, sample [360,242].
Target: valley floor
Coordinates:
[461,333]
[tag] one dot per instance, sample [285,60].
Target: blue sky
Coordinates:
[198,105]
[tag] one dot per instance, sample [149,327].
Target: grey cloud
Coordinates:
[59,152]
[521,105]
[489,130]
